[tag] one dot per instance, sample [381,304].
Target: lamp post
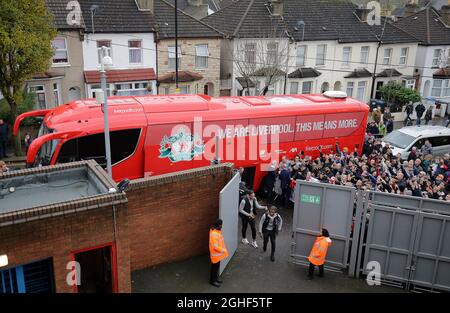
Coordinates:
[176,47]
[105,62]
[299,24]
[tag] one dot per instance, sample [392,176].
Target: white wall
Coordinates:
[424,62]
[120,53]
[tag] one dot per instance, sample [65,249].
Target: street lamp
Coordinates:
[105,62]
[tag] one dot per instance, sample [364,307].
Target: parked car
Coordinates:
[405,138]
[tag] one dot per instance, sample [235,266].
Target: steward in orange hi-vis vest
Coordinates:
[319,253]
[217,251]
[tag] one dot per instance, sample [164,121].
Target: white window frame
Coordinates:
[201,56]
[364,55]
[362,85]
[56,95]
[346,56]
[387,59]
[186,87]
[133,49]
[321,56]
[403,57]
[310,88]
[409,83]
[171,57]
[300,59]
[295,91]
[34,89]
[443,88]
[272,53]
[435,62]
[66,50]
[99,49]
[92,87]
[349,88]
[133,91]
[250,54]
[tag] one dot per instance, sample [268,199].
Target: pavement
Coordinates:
[250,270]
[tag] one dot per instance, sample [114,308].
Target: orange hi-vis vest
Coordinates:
[319,250]
[217,249]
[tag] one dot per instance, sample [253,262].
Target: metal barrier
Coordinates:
[409,237]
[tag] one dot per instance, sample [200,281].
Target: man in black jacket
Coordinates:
[247,211]
[420,108]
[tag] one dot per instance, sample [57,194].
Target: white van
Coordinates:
[403,139]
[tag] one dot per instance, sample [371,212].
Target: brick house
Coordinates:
[64,80]
[199,53]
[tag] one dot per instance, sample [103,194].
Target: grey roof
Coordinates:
[427,26]
[188,27]
[304,72]
[323,20]
[359,73]
[399,11]
[390,72]
[59,12]
[113,16]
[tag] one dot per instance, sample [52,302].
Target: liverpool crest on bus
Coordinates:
[181,146]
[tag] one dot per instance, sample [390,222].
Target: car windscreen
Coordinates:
[399,139]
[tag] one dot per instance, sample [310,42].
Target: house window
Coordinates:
[364,55]
[436,57]
[94,87]
[440,88]
[403,56]
[387,56]
[135,51]
[56,94]
[184,90]
[301,56]
[321,54]
[39,92]
[346,56]
[132,89]
[306,87]
[272,53]
[361,92]
[201,56]
[250,54]
[350,86]
[171,50]
[409,83]
[103,43]
[293,88]
[60,54]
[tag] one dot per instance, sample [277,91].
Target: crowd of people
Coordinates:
[376,169]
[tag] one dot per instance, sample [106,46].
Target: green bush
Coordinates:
[397,96]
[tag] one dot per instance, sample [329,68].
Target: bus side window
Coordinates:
[123,145]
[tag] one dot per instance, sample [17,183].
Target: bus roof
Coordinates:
[139,111]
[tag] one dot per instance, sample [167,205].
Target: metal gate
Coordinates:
[320,206]
[228,212]
[410,239]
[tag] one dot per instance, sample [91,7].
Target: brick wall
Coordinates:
[170,215]
[57,237]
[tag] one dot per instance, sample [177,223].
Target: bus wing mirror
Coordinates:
[25,115]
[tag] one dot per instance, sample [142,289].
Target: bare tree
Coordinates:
[264,58]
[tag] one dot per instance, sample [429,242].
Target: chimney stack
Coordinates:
[362,13]
[410,9]
[445,14]
[277,7]
[145,5]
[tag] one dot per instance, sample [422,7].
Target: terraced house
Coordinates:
[199,47]
[310,46]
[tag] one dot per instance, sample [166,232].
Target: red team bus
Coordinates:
[153,135]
